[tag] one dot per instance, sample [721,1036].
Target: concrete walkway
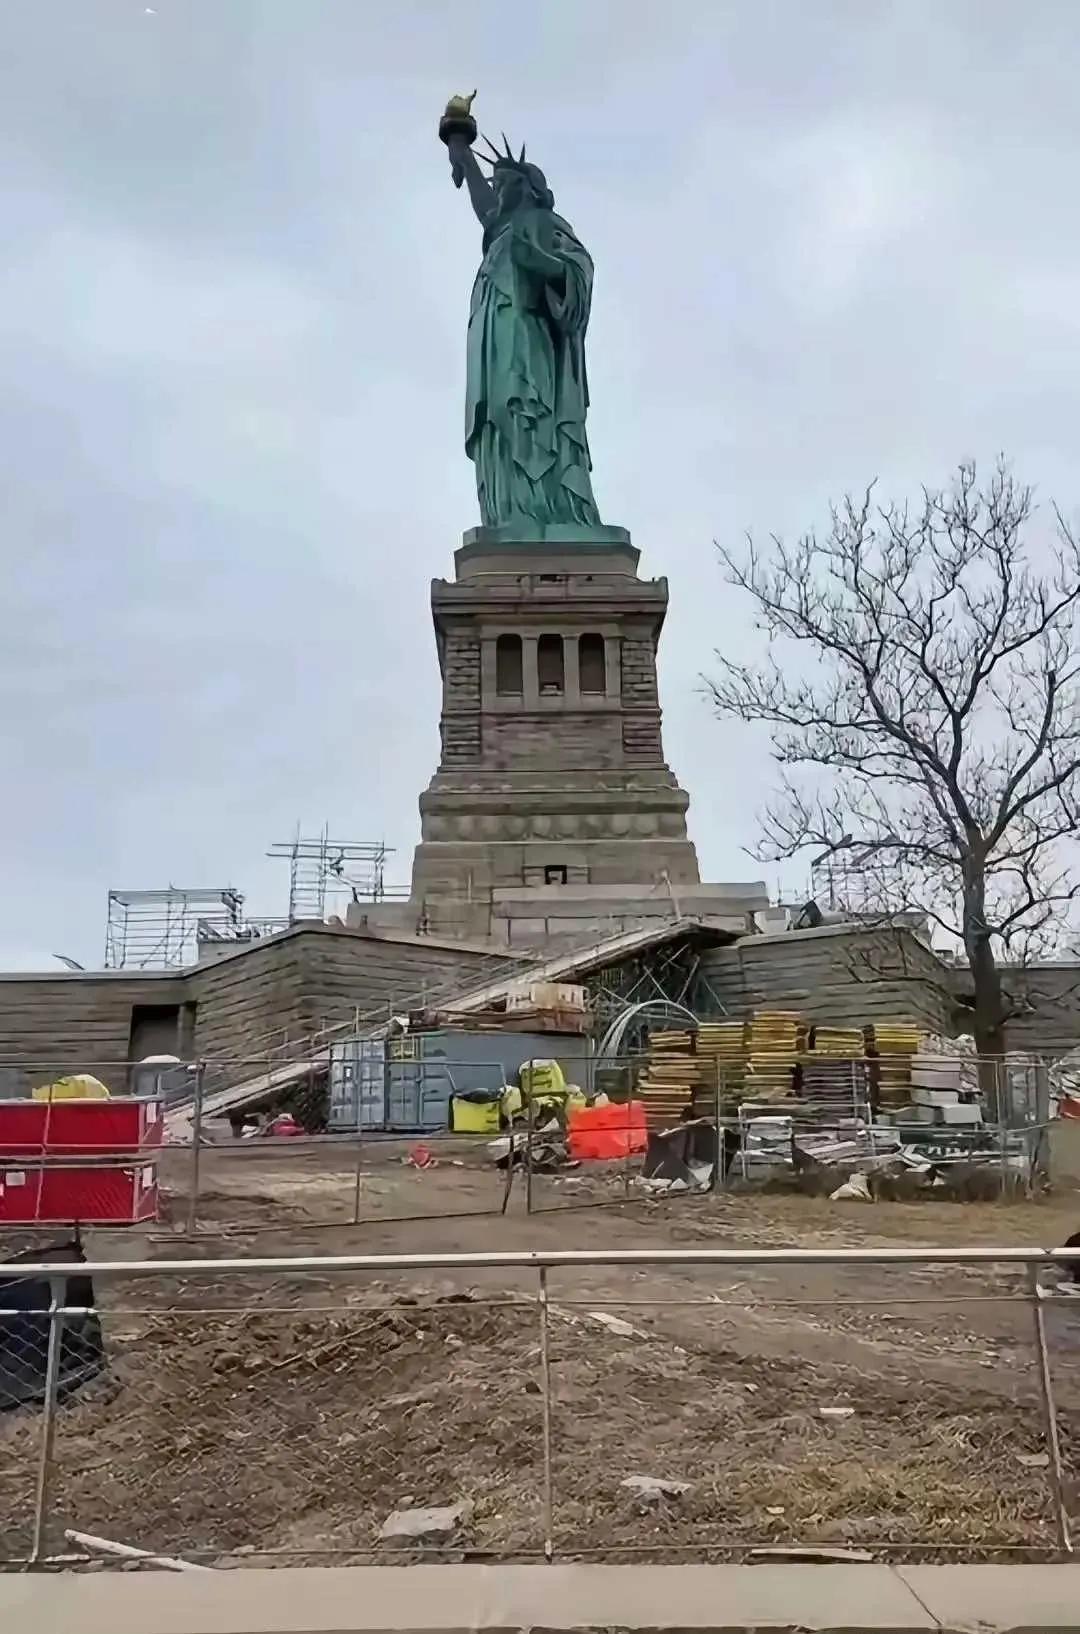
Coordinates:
[506,1599]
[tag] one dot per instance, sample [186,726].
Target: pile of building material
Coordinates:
[833,1071]
[773,1045]
[961,1050]
[890,1046]
[670,1079]
[938,1094]
[531,1007]
[843,1042]
[721,1050]
[1064,1077]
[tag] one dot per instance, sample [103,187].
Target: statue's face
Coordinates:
[509,188]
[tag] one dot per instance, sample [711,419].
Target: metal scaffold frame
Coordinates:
[325,874]
[159,929]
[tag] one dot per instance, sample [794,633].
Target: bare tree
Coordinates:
[923,686]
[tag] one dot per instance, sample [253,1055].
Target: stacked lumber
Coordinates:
[669,1079]
[891,1045]
[721,1052]
[833,1069]
[493,1020]
[847,1042]
[773,1040]
[828,1081]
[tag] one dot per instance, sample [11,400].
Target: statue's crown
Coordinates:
[506,161]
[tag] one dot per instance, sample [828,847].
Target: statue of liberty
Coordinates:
[527,392]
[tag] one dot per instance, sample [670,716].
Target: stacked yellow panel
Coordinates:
[670,1078]
[772,1049]
[893,1043]
[847,1042]
[721,1050]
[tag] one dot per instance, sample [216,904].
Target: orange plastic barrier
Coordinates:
[607,1131]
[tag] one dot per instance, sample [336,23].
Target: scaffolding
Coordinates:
[860,880]
[160,930]
[326,874]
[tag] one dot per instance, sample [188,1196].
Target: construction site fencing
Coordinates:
[225,1169]
[404,1159]
[561,1405]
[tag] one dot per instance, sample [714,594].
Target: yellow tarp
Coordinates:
[77,1086]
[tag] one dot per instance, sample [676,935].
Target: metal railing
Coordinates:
[286,1409]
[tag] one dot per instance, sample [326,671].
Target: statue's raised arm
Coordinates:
[457,128]
[527,394]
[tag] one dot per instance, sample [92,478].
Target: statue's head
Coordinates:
[515,182]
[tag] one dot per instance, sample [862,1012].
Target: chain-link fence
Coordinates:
[679,1403]
[231,1148]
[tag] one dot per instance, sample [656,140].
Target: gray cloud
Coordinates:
[832,242]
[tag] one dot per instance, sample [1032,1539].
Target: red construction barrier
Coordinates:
[90,1161]
[607,1131]
[121,1125]
[91,1193]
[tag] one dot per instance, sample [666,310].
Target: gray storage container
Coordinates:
[405,1083]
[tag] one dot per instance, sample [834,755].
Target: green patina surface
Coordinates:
[527,392]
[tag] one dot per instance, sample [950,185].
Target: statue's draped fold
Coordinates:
[527,393]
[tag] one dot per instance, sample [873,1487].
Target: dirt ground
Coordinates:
[238,1418]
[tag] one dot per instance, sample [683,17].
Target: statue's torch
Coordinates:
[458,124]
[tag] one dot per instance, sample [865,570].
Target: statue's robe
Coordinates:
[527,393]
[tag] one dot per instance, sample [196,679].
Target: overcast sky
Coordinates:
[832,240]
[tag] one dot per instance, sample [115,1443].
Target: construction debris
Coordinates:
[544,1150]
[685,1157]
[812,1554]
[856,1189]
[616,1325]
[650,1489]
[126,1551]
[415,1526]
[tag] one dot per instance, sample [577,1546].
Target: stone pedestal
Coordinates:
[552,773]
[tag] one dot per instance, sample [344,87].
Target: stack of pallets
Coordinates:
[721,1051]
[891,1044]
[670,1078]
[772,1049]
[834,1069]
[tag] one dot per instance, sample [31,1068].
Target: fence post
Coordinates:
[42,1492]
[196,1150]
[545,1402]
[528,1150]
[1053,1443]
[628,1105]
[1039,1164]
[359,1154]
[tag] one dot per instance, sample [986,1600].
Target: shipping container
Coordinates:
[405,1083]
